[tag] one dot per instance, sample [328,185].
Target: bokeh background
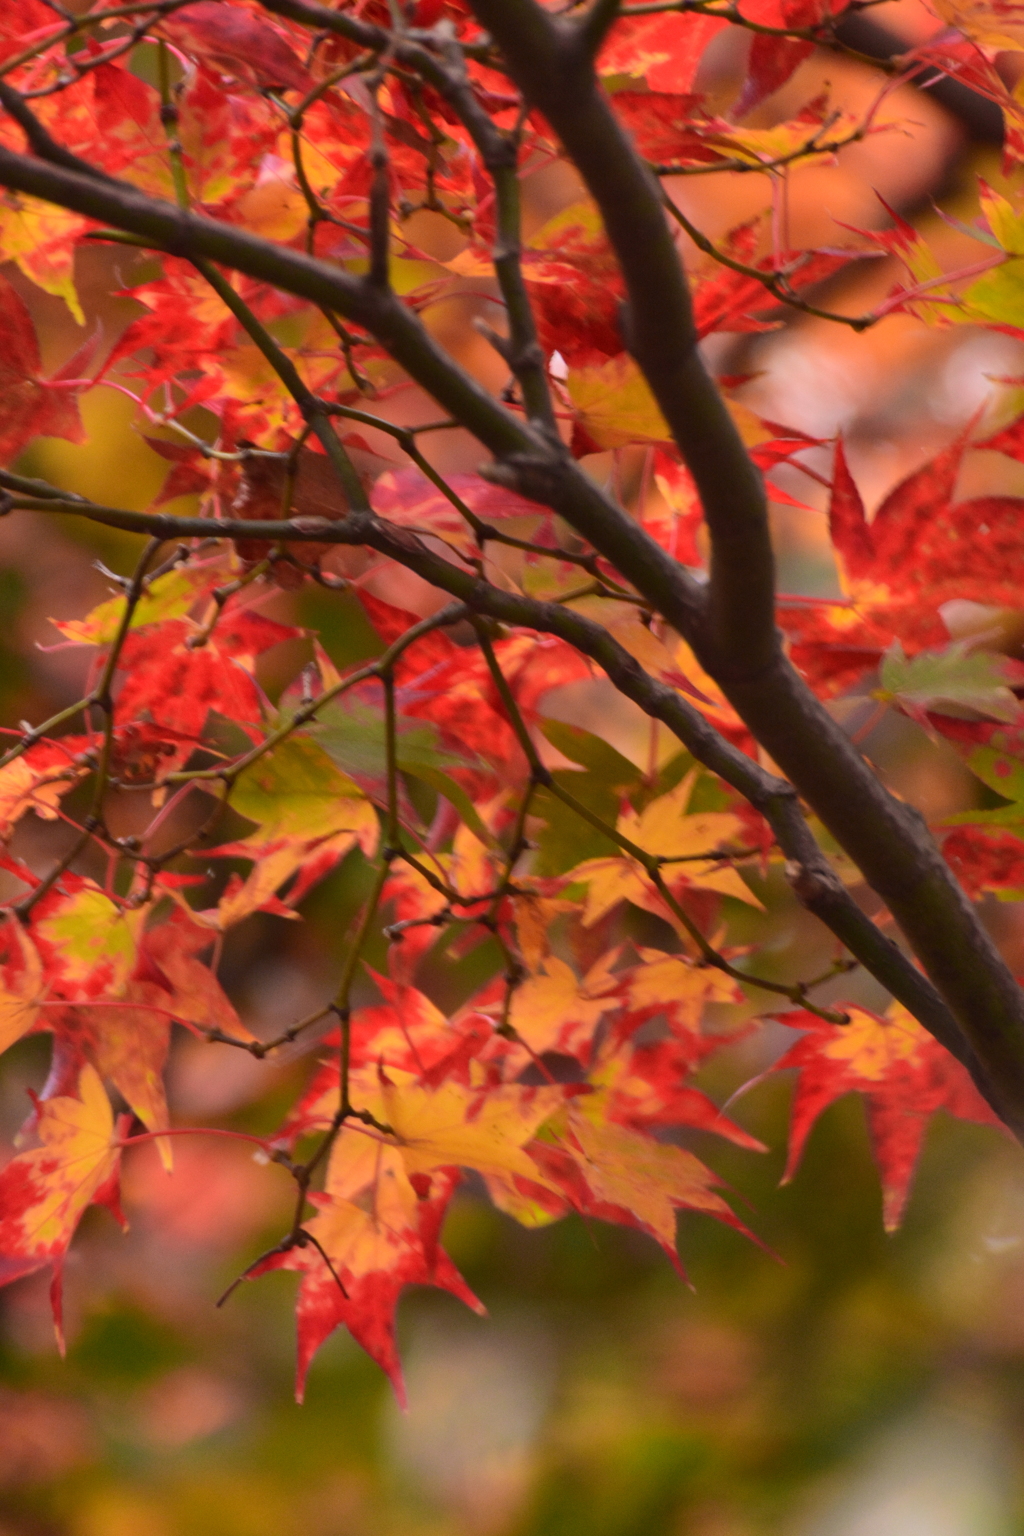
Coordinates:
[837,1382]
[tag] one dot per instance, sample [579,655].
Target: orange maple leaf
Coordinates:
[665,830]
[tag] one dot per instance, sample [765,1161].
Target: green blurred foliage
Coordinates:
[639,1406]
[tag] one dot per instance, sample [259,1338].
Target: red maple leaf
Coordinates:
[364,1257]
[173,685]
[237,43]
[905,1076]
[31,406]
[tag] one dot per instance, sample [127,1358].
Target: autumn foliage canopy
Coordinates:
[296,194]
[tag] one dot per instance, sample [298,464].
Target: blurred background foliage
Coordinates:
[835,1383]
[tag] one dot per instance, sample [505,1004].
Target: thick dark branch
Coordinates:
[553,67]
[887,840]
[598,22]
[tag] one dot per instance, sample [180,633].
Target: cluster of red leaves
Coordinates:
[566,1082]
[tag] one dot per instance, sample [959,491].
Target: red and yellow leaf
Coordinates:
[904,1075]
[44,1192]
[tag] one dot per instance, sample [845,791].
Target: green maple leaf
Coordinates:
[353,736]
[948,682]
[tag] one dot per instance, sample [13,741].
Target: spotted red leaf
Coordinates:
[985,859]
[664,50]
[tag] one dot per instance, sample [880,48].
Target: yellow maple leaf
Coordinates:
[456,1126]
[306,809]
[41,239]
[615,404]
[553,1007]
[529,1210]
[664,829]
[534,916]
[631,1172]
[274,209]
[130,1050]
[643,645]
[613,880]
[679,984]
[472,868]
[610,881]
[170,596]
[715,705]
[998,26]
[758,145]
[19,1007]
[25,786]
[871,1046]
[276,865]
[297,792]
[362,1239]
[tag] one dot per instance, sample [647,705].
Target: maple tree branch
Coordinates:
[555,72]
[500,154]
[541,468]
[129,848]
[313,410]
[85,61]
[598,21]
[432,148]
[776,282]
[823,34]
[41,142]
[410,47]
[170,118]
[341,1003]
[380,197]
[261,1048]
[485,532]
[649,862]
[812,878]
[515,971]
[885,839]
[100,698]
[75,24]
[498,151]
[522,351]
[812,146]
[298,1237]
[738,643]
[379,670]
